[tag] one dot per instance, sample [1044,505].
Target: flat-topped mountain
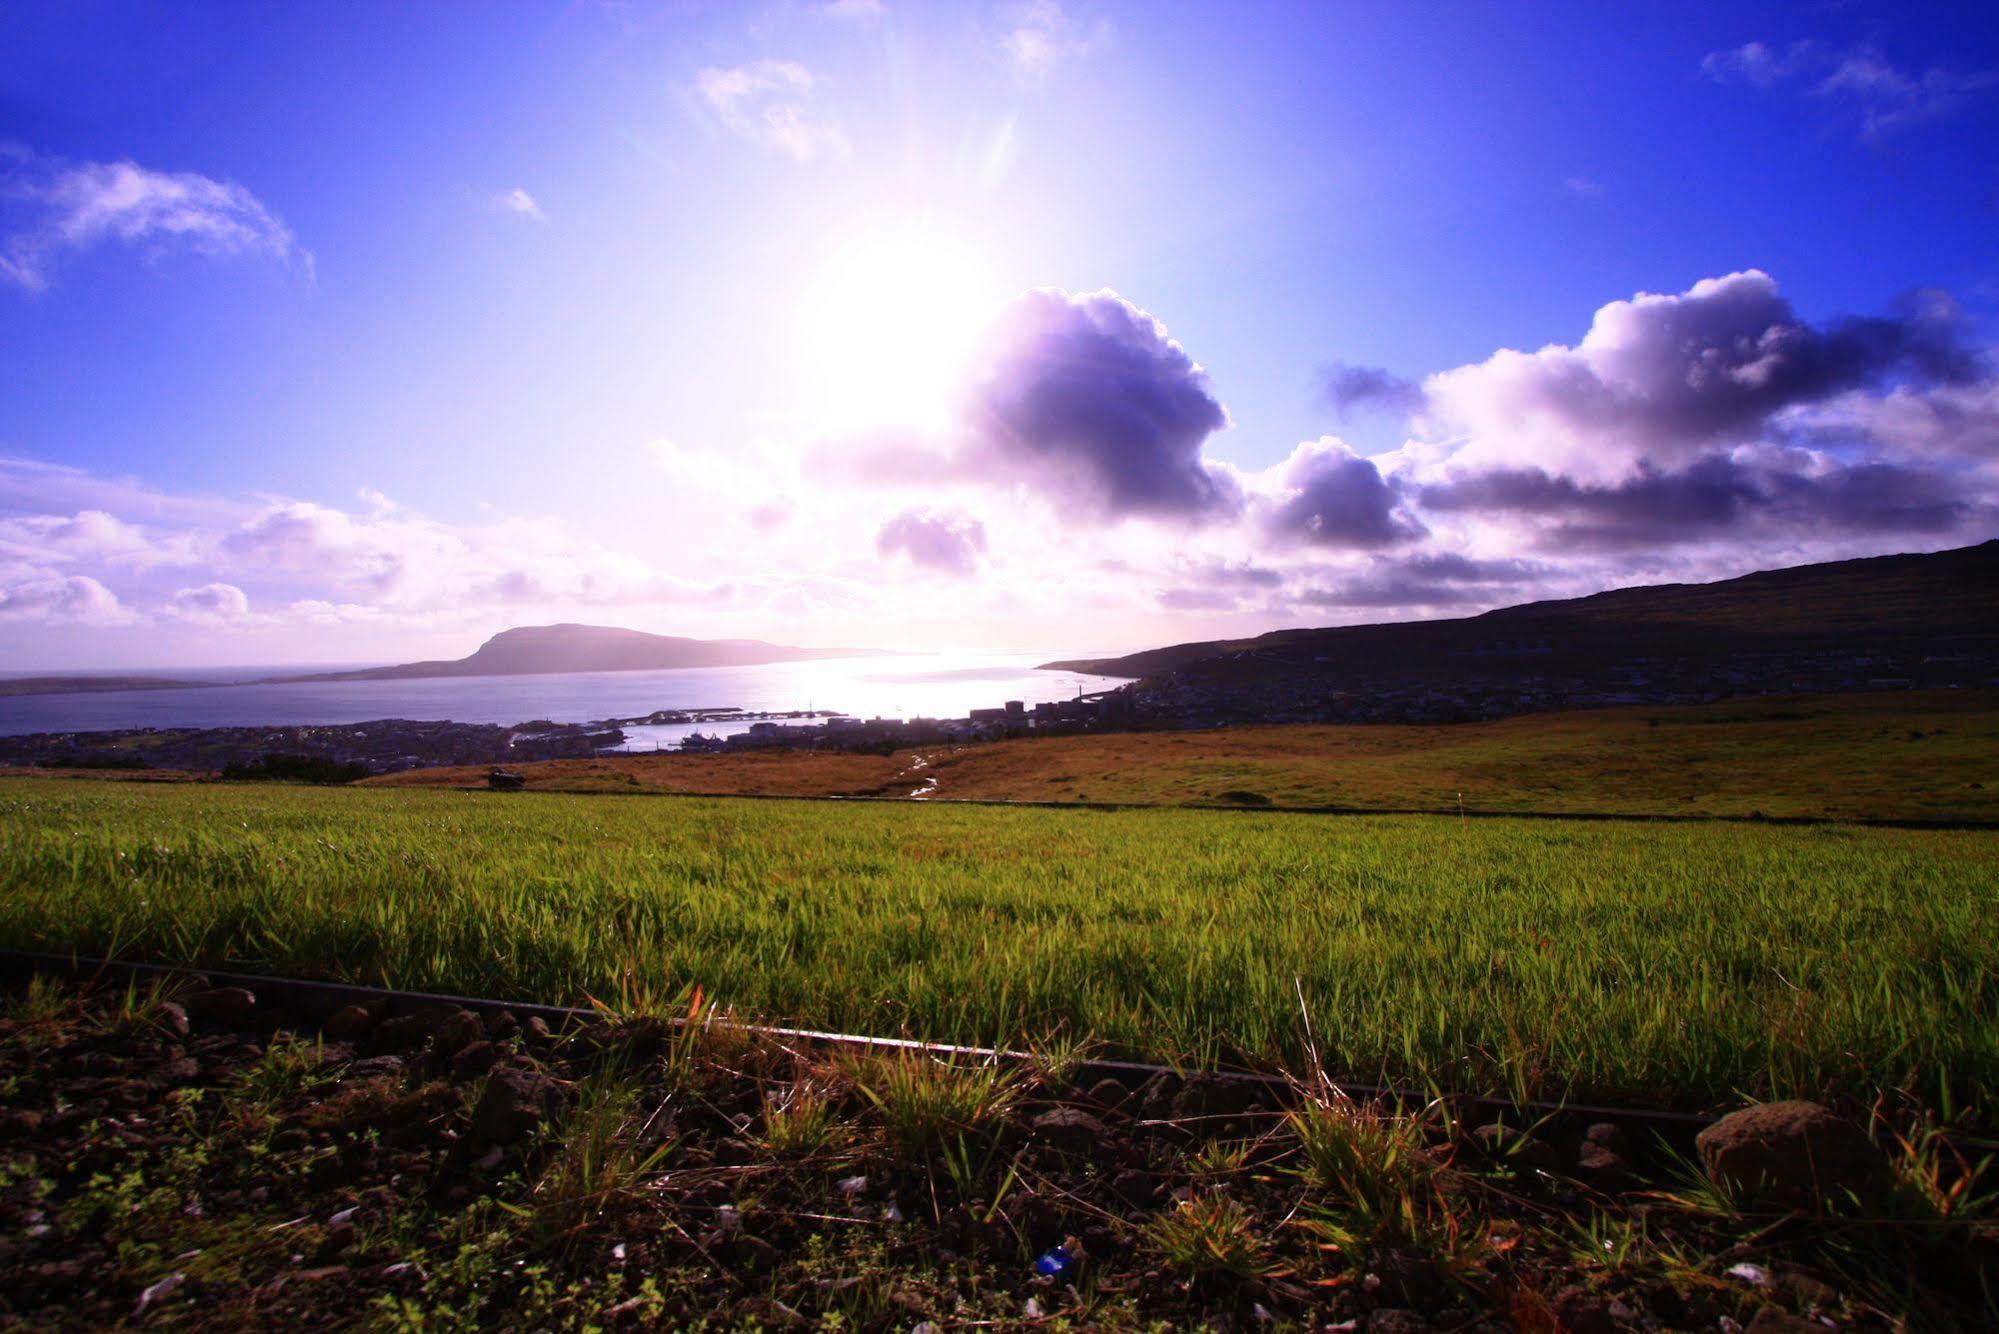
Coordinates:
[532,650]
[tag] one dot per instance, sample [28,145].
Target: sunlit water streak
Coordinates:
[907,686]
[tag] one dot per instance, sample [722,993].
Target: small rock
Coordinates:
[1774,1320]
[228,1007]
[349,1022]
[513,1105]
[457,1031]
[536,1028]
[501,1025]
[183,1071]
[1663,1299]
[1600,1160]
[1794,1155]
[1135,1188]
[474,1061]
[161,1290]
[1607,1133]
[405,1032]
[1211,1095]
[1070,1127]
[753,1252]
[1395,1320]
[1581,1311]
[171,1017]
[851,1187]
[768,1313]
[20,1125]
[374,1067]
[1109,1094]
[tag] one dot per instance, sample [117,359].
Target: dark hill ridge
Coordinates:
[533,650]
[1928,619]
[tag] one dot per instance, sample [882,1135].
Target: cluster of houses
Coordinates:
[1085,713]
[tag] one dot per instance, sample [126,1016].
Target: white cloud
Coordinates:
[766,102]
[31,594]
[56,206]
[213,604]
[521,202]
[1582,187]
[867,10]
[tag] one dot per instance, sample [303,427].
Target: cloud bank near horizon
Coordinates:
[1684,435]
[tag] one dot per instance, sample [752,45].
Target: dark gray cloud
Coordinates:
[1088,400]
[1440,579]
[1350,390]
[946,543]
[1335,498]
[1198,599]
[1719,496]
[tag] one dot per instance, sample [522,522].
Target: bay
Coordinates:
[901,686]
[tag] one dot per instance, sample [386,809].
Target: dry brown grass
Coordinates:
[1917,755]
[757,774]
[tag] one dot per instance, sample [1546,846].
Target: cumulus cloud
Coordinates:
[50,206]
[1328,496]
[88,535]
[767,103]
[1088,399]
[1660,379]
[211,603]
[1883,96]
[1349,389]
[944,543]
[46,596]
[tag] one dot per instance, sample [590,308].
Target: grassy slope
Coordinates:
[1848,757]
[1662,962]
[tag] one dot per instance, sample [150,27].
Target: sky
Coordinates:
[357,333]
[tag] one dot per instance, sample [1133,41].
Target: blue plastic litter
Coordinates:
[1054,1262]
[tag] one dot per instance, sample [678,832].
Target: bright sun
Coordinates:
[889,323]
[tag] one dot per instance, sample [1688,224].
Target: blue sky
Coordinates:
[356,331]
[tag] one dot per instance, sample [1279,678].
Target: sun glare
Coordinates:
[889,323]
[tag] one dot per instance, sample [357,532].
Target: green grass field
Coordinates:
[1678,964]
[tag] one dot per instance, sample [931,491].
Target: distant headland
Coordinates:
[533,650]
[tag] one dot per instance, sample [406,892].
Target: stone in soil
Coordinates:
[474,1061]
[349,1022]
[514,1105]
[1794,1155]
[1109,1094]
[456,1032]
[1070,1128]
[229,1007]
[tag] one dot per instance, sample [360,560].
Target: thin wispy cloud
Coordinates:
[1582,187]
[51,207]
[1035,35]
[1884,96]
[768,103]
[520,202]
